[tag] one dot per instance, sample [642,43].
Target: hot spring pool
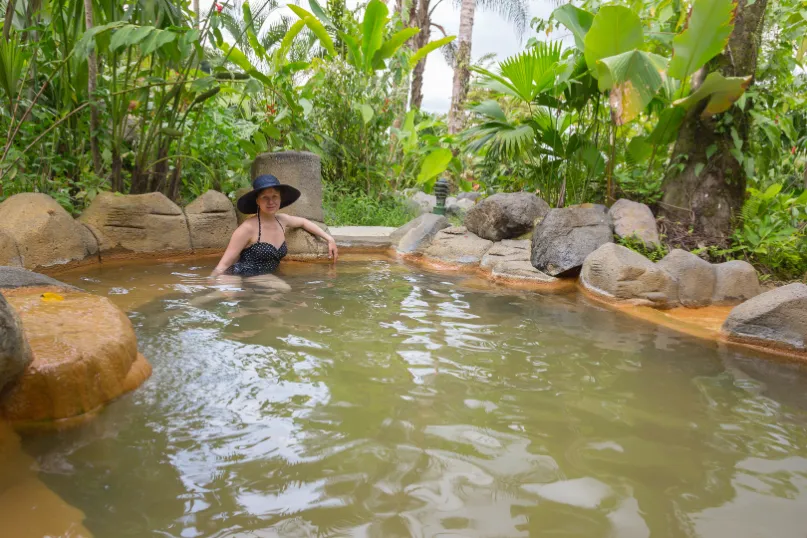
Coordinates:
[379,399]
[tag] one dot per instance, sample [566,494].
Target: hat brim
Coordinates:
[248,203]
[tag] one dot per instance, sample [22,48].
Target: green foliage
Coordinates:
[651,252]
[346,208]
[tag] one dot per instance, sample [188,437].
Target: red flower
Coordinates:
[219,7]
[793,150]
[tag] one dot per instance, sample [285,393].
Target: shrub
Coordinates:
[345,208]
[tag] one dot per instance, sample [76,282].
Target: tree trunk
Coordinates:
[462,75]
[92,77]
[9,19]
[420,40]
[710,189]
[198,15]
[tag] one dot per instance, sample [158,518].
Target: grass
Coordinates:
[360,209]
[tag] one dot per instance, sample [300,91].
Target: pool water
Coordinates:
[379,399]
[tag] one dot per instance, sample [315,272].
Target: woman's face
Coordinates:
[269,200]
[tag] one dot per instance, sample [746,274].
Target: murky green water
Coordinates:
[383,400]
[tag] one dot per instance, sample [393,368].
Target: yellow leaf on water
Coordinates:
[51,297]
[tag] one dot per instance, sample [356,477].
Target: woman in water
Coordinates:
[258,245]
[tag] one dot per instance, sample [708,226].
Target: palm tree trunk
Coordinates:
[709,192]
[198,15]
[423,21]
[462,75]
[92,78]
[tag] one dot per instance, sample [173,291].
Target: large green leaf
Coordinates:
[633,78]
[639,150]
[391,45]
[316,8]
[708,30]
[615,30]
[666,130]
[575,19]
[721,92]
[429,47]
[366,112]
[316,27]
[288,39]
[375,20]
[491,109]
[236,56]
[121,37]
[533,71]
[155,40]
[434,164]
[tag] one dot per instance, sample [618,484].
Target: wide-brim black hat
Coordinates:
[248,203]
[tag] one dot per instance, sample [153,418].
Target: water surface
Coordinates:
[377,399]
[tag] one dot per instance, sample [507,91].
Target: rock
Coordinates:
[736,281]
[632,219]
[45,234]
[505,251]
[15,277]
[15,354]
[9,253]
[777,317]
[504,216]
[456,245]
[459,208]
[422,202]
[211,220]
[417,234]
[301,170]
[561,242]
[617,272]
[84,355]
[696,277]
[472,196]
[304,246]
[520,271]
[238,194]
[137,223]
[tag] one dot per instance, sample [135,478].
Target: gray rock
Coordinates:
[300,169]
[459,208]
[417,234]
[16,277]
[456,245]
[472,196]
[634,219]
[422,202]
[620,273]
[520,270]
[504,216]
[15,353]
[306,246]
[505,251]
[736,281]
[561,242]
[776,317]
[696,277]
[211,220]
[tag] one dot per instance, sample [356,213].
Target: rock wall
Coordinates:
[301,170]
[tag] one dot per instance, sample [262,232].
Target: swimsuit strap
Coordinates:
[259,226]
[281,226]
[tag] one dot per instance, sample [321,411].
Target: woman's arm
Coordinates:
[290,221]
[238,242]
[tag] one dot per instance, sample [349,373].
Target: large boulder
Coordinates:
[736,281]
[561,242]
[504,216]
[44,233]
[777,317]
[301,170]
[84,355]
[632,219]
[422,203]
[211,220]
[137,223]
[304,246]
[459,207]
[506,250]
[520,271]
[15,353]
[619,273]
[15,277]
[457,246]
[417,234]
[9,253]
[696,277]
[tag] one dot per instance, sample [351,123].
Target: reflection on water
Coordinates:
[381,400]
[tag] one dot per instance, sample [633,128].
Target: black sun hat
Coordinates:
[248,203]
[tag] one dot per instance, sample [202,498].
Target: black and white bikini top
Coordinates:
[259,258]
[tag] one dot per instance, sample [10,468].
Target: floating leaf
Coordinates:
[721,91]
[615,30]
[708,30]
[50,297]
[577,20]
[633,78]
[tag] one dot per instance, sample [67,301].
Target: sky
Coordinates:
[492,34]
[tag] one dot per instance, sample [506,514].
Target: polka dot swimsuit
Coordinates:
[259,258]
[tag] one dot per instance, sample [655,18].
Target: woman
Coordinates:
[258,245]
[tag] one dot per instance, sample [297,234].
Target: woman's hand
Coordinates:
[333,252]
